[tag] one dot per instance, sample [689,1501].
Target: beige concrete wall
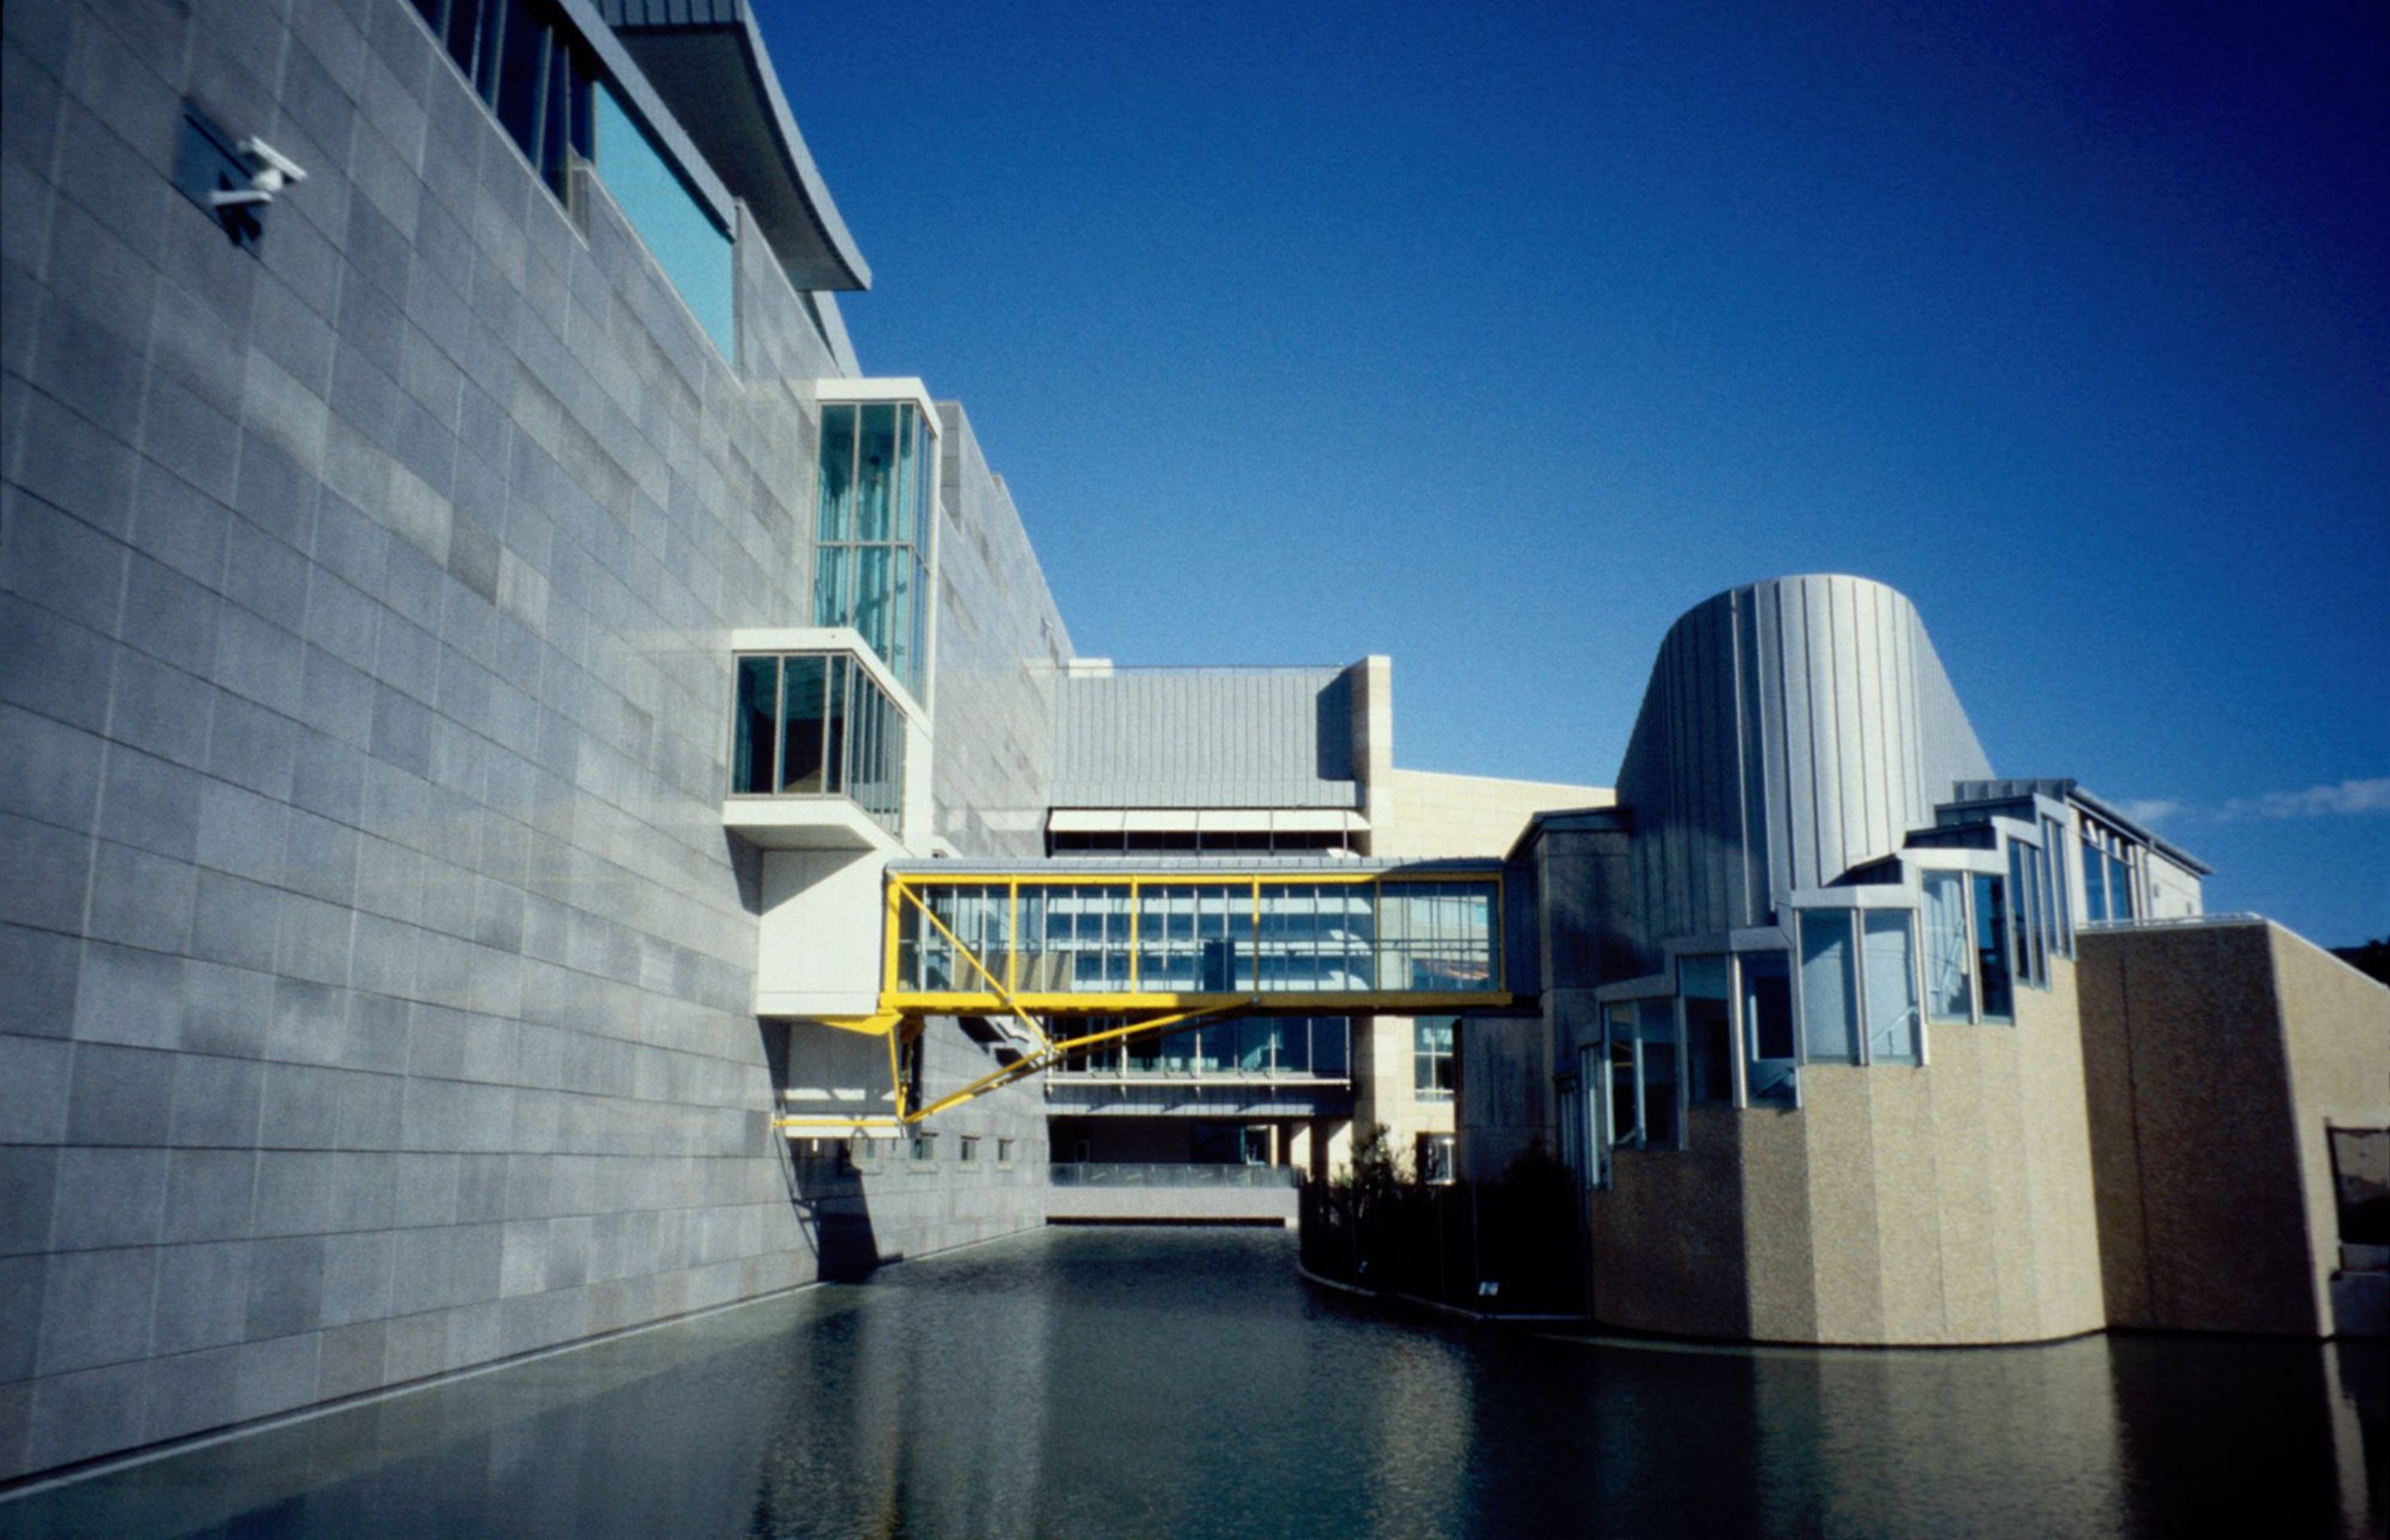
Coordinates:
[1448,815]
[2219,1055]
[1423,814]
[2336,1023]
[1386,1084]
[1668,1238]
[1900,1205]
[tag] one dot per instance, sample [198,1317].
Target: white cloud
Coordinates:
[2315,802]
[2371,795]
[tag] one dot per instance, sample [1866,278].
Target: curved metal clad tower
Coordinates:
[1792,729]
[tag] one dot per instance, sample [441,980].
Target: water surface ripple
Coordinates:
[1176,1382]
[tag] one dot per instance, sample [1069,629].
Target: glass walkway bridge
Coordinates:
[1059,958]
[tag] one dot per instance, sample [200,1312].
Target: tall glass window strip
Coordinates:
[2053,844]
[1890,967]
[1618,1044]
[1593,1098]
[817,723]
[1829,1004]
[1991,948]
[529,70]
[1949,957]
[2107,857]
[1431,1064]
[1766,1013]
[1709,1029]
[877,484]
[1568,1115]
[1656,1022]
[2025,918]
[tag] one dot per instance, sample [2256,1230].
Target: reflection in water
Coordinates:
[1418,1409]
[1145,1383]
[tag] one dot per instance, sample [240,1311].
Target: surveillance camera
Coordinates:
[240,197]
[273,167]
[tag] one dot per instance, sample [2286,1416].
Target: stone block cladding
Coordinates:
[1000,643]
[378,971]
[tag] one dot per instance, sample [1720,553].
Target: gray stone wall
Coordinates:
[377,972]
[999,644]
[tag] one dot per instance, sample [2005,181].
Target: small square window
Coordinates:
[968,1151]
[1004,1152]
[925,1148]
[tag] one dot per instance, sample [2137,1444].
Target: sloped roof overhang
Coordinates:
[706,59]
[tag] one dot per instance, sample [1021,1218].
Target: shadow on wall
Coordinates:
[825,1190]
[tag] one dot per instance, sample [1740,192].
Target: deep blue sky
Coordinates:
[1495,338]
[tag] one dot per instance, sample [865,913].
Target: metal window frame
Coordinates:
[929,435]
[846,679]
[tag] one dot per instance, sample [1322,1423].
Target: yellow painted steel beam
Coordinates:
[1037,1063]
[1273,1003]
[878,1024]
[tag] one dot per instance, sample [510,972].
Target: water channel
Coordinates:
[1186,1382]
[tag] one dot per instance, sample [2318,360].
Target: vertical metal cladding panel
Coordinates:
[1212,738]
[1877,787]
[1723,835]
[1819,806]
[1790,730]
[1850,766]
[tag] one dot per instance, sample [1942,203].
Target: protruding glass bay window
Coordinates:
[817,723]
[2107,874]
[1859,986]
[877,487]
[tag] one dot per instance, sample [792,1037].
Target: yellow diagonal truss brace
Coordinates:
[994,984]
[1053,1055]
[1046,1058]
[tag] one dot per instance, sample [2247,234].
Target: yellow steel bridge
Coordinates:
[1125,953]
